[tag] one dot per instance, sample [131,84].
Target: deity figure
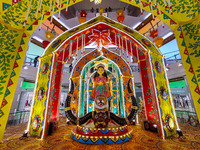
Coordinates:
[100,84]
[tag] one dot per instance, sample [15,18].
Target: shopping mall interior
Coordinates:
[99,74]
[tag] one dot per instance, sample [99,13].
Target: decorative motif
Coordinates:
[36,123]
[56,43]
[100,37]
[44,68]
[40,94]
[158,67]
[163,93]
[146,42]
[169,123]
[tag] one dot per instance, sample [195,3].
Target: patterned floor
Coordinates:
[60,140]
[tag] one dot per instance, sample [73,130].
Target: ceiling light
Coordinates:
[136,25]
[25,67]
[180,64]
[167,35]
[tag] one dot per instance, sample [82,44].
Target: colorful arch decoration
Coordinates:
[184,22]
[155,84]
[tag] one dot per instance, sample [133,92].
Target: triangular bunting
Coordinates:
[9,83]
[144,4]
[183,43]
[197,90]
[35,23]
[191,70]
[22,42]
[30,28]
[12,74]
[186,51]
[194,79]
[181,35]
[4,102]
[7,92]
[199,101]
[15,1]
[18,56]
[188,60]
[24,35]
[172,22]
[20,49]
[165,16]
[5,6]
[1,113]
[15,65]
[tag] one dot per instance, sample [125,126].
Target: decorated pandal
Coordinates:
[101,101]
[102,117]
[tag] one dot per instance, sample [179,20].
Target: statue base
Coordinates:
[109,135]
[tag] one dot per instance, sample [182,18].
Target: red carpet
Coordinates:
[61,140]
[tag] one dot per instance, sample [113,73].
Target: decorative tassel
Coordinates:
[119,46]
[141,7]
[37,10]
[60,3]
[122,45]
[84,45]
[70,50]
[116,40]
[52,13]
[152,11]
[131,50]
[27,14]
[41,21]
[67,6]
[155,3]
[40,6]
[77,49]
[161,16]
[63,56]
[170,7]
[50,7]
[127,50]
[165,4]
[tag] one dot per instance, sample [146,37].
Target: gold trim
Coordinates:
[134,107]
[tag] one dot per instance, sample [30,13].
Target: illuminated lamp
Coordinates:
[83,13]
[154,33]
[49,35]
[120,19]
[158,41]
[82,19]
[120,12]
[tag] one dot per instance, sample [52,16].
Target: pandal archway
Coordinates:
[157,95]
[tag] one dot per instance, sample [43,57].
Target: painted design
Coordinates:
[44,68]
[158,67]
[56,43]
[169,123]
[163,93]
[146,42]
[36,122]
[40,94]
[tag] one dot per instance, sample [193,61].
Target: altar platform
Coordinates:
[61,139]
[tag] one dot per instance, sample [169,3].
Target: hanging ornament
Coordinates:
[120,14]
[49,35]
[154,33]
[83,15]
[158,41]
